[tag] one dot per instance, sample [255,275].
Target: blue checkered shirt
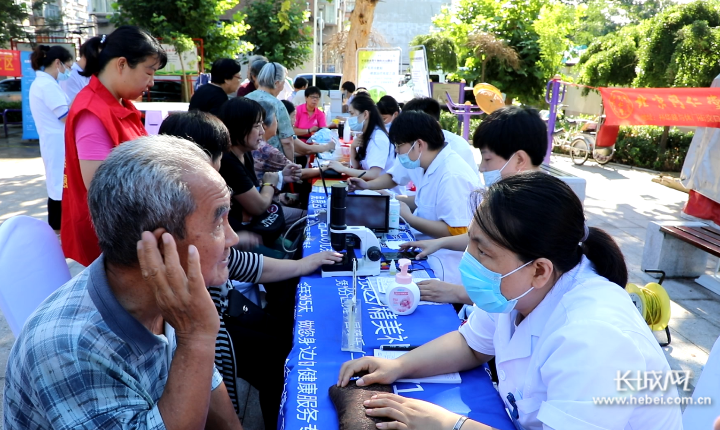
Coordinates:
[83,362]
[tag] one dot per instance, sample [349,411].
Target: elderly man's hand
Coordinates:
[182,298]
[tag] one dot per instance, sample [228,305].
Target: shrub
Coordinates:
[12,116]
[638,146]
[449,122]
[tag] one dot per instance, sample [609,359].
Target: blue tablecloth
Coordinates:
[314,362]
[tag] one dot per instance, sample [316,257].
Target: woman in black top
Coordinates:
[251,198]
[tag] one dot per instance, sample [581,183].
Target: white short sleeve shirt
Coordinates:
[380,153]
[569,350]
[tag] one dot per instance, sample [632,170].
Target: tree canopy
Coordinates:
[441,51]
[170,19]
[279,30]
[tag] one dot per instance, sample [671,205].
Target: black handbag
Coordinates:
[243,312]
[269,225]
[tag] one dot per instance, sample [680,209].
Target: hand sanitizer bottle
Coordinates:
[403,295]
[394,215]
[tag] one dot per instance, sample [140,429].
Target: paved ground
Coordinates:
[620,200]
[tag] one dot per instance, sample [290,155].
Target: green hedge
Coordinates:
[12,116]
[638,146]
[449,122]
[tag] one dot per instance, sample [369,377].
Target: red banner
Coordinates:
[10,63]
[692,107]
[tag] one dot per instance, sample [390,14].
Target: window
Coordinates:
[102,6]
[52,11]
[10,85]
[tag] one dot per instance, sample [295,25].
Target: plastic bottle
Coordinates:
[346,133]
[393,269]
[394,217]
[404,295]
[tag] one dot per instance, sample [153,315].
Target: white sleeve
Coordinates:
[378,151]
[56,100]
[453,205]
[579,362]
[479,331]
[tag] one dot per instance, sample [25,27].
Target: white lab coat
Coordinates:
[463,148]
[49,104]
[379,152]
[444,195]
[403,176]
[74,83]
[568,350]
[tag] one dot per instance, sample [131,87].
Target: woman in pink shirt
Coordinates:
[310,118]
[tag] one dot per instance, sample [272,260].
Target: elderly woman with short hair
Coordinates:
[270,83]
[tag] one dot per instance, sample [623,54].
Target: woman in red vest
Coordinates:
[102,117]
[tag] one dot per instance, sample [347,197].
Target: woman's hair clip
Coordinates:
[102,40]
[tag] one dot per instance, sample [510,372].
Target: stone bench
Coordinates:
[680,249]
[575,183]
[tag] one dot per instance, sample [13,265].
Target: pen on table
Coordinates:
[397,347]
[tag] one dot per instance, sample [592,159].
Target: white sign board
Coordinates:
[378,70]
[173,67]
[420,77]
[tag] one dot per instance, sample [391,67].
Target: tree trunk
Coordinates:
[183,82]
[361,20]
[664,140]
[484,64]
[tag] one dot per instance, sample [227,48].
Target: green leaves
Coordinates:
[187,19]
[441,51]
[279,29]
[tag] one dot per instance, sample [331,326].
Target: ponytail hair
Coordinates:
[362,103]
[535,215]
[44,55]
[132,43]
[90,49]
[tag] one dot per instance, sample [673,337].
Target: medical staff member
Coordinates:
[371,152]
[440,206]
[511,140]
[400,176]
[551,310]
[101,118]
[49,107]
[76,82]
[389,110]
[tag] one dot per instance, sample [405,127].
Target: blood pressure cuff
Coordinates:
[348,402]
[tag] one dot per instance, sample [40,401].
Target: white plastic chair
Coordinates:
[32,266]
[702,417]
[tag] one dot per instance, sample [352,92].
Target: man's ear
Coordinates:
[522,161]
[544,274]
[158,232]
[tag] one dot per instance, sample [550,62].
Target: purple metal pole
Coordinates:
[466,121]
[552,93]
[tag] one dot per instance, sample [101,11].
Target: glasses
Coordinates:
[237,77]
[314,98]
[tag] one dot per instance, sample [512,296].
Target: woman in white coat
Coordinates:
[552,310]
[49,106]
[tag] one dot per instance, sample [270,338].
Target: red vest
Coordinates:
[123,123]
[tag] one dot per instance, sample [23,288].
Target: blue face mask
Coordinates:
[354,124]
[65,74]
[483,286]
[405,160]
